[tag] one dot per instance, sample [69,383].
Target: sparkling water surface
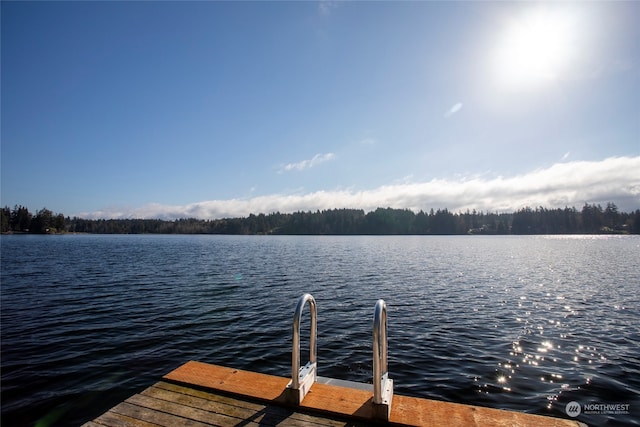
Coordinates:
[526,323]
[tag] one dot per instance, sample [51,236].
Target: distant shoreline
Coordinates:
[591,219]
[66,233]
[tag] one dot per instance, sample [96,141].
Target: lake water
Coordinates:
[528,323]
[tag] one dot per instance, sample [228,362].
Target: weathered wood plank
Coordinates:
[165,404]
[209,395]
[152,415]
[196,416]
[222,410]
[273,415]
[115,418]
[206,404]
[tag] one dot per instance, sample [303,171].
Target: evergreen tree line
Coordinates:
[21,220]
[591,219]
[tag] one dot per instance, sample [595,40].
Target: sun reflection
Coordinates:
[546,346]
[552,398]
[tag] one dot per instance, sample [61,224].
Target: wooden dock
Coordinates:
[199,394]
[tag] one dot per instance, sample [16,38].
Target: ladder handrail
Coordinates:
[295,353]
[380,369]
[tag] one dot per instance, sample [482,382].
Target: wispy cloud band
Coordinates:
[615,179]
[306,164]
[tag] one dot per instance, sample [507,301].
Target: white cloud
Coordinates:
[306,164]
[615,179]
[454,109]
[566,155]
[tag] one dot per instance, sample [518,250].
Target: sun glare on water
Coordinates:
[535,48]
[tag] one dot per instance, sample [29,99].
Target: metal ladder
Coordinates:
[302,378]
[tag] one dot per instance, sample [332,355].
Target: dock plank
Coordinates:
[117,417]
[264,415]
[242,407]
[340,401]
[198,394]
[208,405]
[167,405]
[251,384]
[157,415]
[410,411]
[195,416]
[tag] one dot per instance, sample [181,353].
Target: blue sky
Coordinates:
[215,109]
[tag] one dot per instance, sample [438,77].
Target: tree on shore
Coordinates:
[20,220]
